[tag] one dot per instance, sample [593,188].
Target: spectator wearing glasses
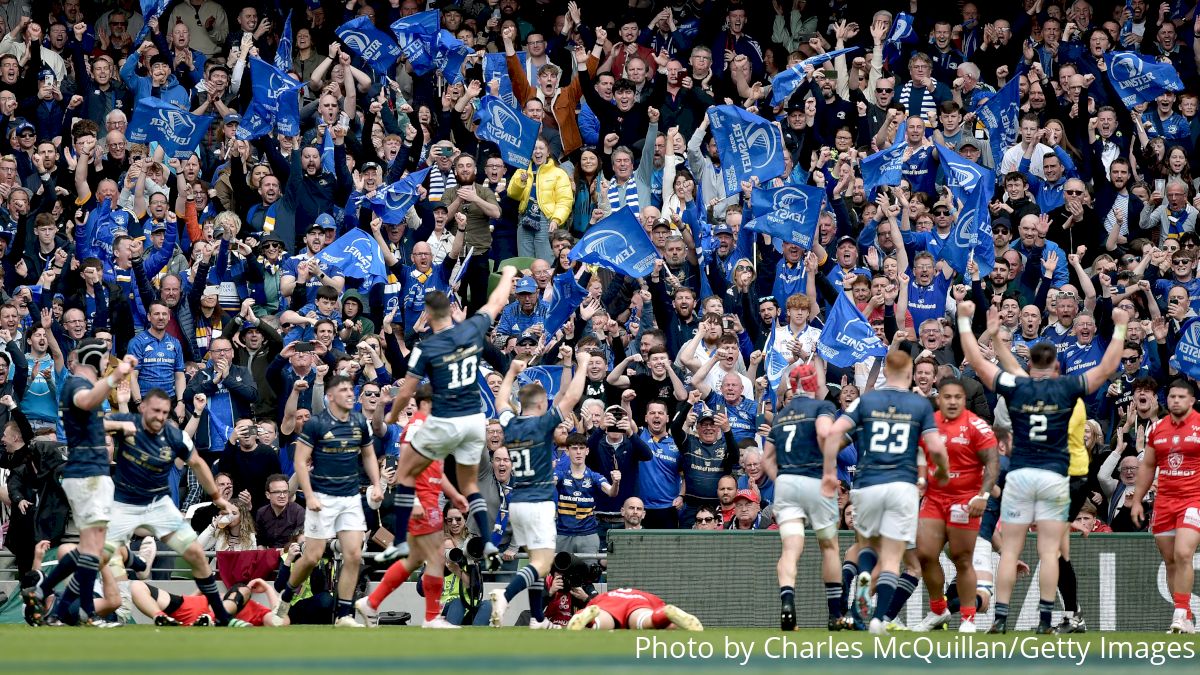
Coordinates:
[706,519]
[230,389]
[922,94]
[1057,169]
[1074,222]
[1172,217]
[276,523]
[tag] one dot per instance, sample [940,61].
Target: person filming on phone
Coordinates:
[249,463]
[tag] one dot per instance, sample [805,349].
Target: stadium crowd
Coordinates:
[226,267]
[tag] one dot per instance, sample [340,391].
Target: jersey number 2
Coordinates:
[1037,428]
[462,373]
[522,466]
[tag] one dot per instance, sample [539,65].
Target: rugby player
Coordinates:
[168,609]
[632,609]
[449,357]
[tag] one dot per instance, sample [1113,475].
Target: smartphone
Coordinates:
[1160,185]
[726,322]
[719,409]
[302,347]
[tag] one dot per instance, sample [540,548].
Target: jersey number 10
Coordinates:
[462,373]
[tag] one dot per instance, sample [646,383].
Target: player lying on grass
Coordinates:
[632,609]
[169,609]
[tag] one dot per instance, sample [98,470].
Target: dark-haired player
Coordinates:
[632,609]
[449,357]
[805,491]
[891,422]
[337,440]
[1173,448]
[169,609]
[86,482]
[532,507]
[952,512]
[1036,488]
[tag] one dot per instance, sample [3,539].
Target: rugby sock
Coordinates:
[433,594]
[85,574]
[904,590]
[522,580]
[937,606]
[1001,611]
[833,599]
[208,586]
[659,618]
[396,574]
[65,567]
[477,508]
[849,571]
[1067,585]
[537,607]
[1182,601]
[885,588]
[953,602]
[402,506]
[345,608]
[69,595]
[968,613]
[1045,609]
[787,593]
[136,564]
[288,594]
[866,561]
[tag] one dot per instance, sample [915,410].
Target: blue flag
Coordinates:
[847,338]
[1000,114]
[1138,79]
[150,10]
[283,54]
[787,213]
[883,168]
[971,236]
[327,152]
[550,377]
[776,362]
[356,255]
[274,90]
[98,231]
[451,54]
[374,46]
[177,131]
[487,399]
[1187,351]
[749,146]
[565,297]
[256,122]
[786,81]
[417,36]
[619,243]
[509,129]
[495,68]
[902,32]
[392,202]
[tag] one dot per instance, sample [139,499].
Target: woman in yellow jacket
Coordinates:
[546,197]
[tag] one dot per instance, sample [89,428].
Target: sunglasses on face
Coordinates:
[1073,193]
[706,520]
[1131,359]
[454,519]
[881,90]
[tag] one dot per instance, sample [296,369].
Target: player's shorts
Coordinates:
[337,514]
[187,608]
[952,509]
[91,500]
[1172,514]
[161,517]
[253,613]
[623,602]
[430,523]
[1078,489]
[888,509]
[799,497]
[1031,495]
[981,559]
[534,524]
[439,437]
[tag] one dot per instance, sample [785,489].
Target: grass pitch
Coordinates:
[146,649]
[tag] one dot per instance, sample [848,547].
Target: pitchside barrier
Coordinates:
[728,579]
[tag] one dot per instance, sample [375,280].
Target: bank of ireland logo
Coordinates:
[765,138]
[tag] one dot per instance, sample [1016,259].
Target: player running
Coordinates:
[147,448]
[891,423]
[952,512]
[86,482]
[449,357]
[634,610]
[336,440]
[1173,448]
[805,492]
[425,536]
[533,508]
[1037,489]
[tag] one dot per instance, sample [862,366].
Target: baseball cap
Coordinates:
[325,222]
[368,166]
[24,125]
[722,229]
[159,226]
[527,339]
[969,141]
[233,118]
[159,58]
[660,223]
[748,495]
[526,285]
[846,239]
[212,289]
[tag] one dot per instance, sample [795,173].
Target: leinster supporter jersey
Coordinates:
[84,430]
[530,442]
[336,447]
[577,500]
[450,359]
[143,467]
[794,435]
[1041,418]
[890,423]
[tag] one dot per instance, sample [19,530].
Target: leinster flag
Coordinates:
[418,37]
[971,236]
[495,68]
[883,168]
[1187,352]
[177,131]
[451,54]
[1138,79]
[327,151]
[1000,114]
[902,32]
[392,202]
[356,255]
[787,81]
[373,45]
[283,53]
[776,362]
[550,377]
[509,129]
[565,297]
[847,338]
[787,213]
[749,146]
[618,243]
[150,9]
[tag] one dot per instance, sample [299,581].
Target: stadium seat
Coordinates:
[519,262]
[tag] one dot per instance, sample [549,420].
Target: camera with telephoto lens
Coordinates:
[575,572]
[457,557]
[474,551]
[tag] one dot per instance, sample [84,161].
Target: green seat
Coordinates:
[493,282]
[519,262]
